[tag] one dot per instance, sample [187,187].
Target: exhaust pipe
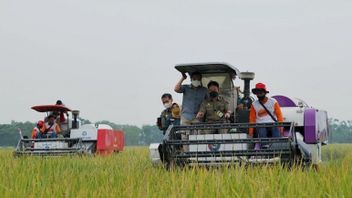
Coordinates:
[247,77]
[75,114]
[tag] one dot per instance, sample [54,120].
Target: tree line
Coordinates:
[340,132]
[9,133]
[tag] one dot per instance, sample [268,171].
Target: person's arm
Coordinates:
[42,130]
[159,122]
[278,113]
[162,121]
[34,134]
[57,128]
[201,111]
[227,110]
[252,120]
[178,86]
[240,106]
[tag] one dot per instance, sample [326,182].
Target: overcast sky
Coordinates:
[112,59]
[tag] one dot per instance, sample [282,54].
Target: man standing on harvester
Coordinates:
[193,96]
[170,115]
[265,110]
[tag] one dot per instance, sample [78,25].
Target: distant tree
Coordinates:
[151,134]
[9,134]
[340,131]
[84,121]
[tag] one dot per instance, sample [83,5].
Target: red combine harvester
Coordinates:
[74,138]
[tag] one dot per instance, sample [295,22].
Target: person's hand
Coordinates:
[200,115]
[184,76]
[227,115]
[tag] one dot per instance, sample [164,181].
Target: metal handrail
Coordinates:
[51,139]
[229,141]
[231,125]
[200,154]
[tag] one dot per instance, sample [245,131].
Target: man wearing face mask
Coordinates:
[170,115]
[265,110]
[215,108]
[193,96]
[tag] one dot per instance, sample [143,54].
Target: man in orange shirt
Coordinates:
[38,130]
[52,129]
[265,110]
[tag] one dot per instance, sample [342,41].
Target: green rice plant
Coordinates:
[131,174]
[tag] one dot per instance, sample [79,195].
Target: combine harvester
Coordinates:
[305,129]
[74,137]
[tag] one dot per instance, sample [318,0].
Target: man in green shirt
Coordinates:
[215,109]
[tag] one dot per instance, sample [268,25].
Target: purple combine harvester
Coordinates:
[306,129]
[311,126]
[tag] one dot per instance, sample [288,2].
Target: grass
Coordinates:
[131,174]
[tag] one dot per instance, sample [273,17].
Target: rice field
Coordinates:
[131,174]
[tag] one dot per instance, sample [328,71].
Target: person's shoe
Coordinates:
[257,146]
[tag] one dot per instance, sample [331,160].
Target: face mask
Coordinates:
[167,105]
[261,98]
[196,83]
[213,94]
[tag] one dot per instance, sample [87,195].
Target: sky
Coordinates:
[112,59]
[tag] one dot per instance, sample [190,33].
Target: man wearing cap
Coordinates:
[52,129]
[264,110]
[215,108]
[193,96]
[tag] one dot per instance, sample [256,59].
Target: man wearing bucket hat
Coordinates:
[264,110]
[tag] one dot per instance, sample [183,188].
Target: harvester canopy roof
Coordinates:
[47,108]
[208,68]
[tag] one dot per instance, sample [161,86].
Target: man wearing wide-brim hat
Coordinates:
[265,110]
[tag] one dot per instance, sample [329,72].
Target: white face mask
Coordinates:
[196,83]
[167,105]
